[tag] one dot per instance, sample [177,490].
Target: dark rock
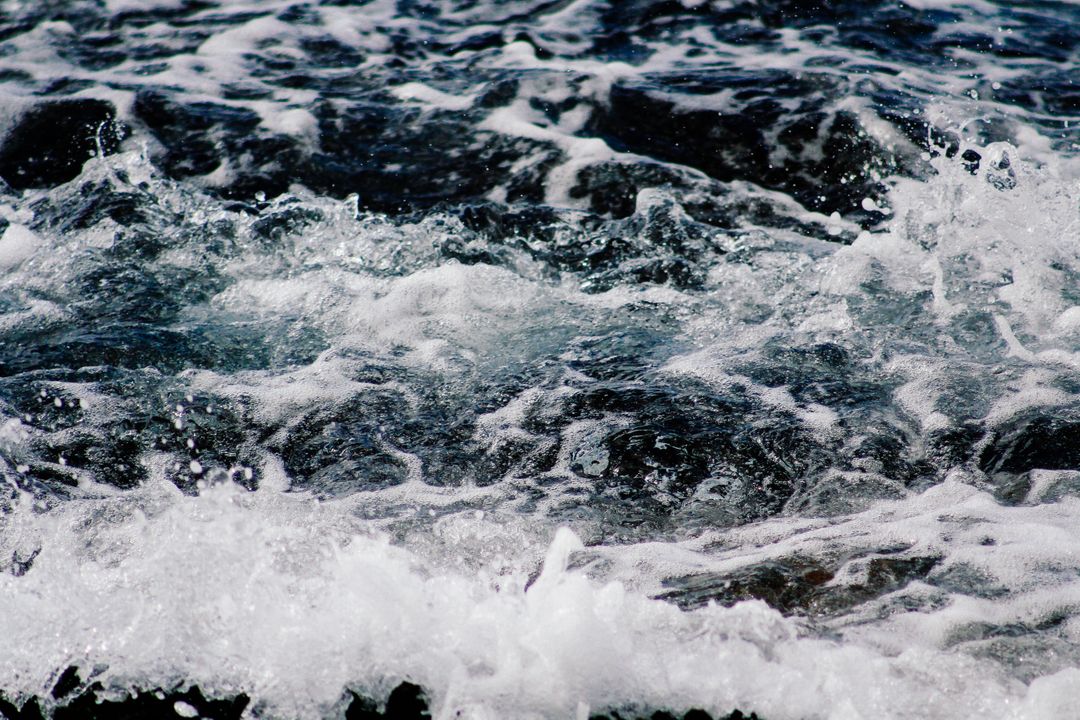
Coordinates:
[50,142]
[824,158]
[188,131]
[798,585]
[31,710]
[406,702]
[1033,441]
[693,714]
[155,705]
[273,227]
[21,563]
[682,435]
[90,704]
[68,681]
[612,188]
[788,585]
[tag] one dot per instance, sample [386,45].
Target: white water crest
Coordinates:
[290,600]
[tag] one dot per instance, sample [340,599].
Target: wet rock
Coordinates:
[1023,447]
[673,439]
[884,574]
[406,702]
[50,142]
[612,188]
[133,412]
[693,714]
[341,450]
[966,579]
[841,493]
[824,160]
[76,700]
[72,698]
[1033,441]
[788,585]
[197,136]
[397,159]
[30,710]
[953,446]
[68,681]
[799,585]
[21,563]
[271,228]
[152,705]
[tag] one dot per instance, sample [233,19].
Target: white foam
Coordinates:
[291,600]
[430,96]
[118,6]
[16,245]
[295,122]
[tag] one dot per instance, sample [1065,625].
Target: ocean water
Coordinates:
[555,358]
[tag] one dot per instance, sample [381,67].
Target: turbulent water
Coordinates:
[559,357]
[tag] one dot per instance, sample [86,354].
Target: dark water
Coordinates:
[317,319]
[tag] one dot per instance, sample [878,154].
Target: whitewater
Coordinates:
[535,360]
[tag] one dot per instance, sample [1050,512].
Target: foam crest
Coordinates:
[291,600]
